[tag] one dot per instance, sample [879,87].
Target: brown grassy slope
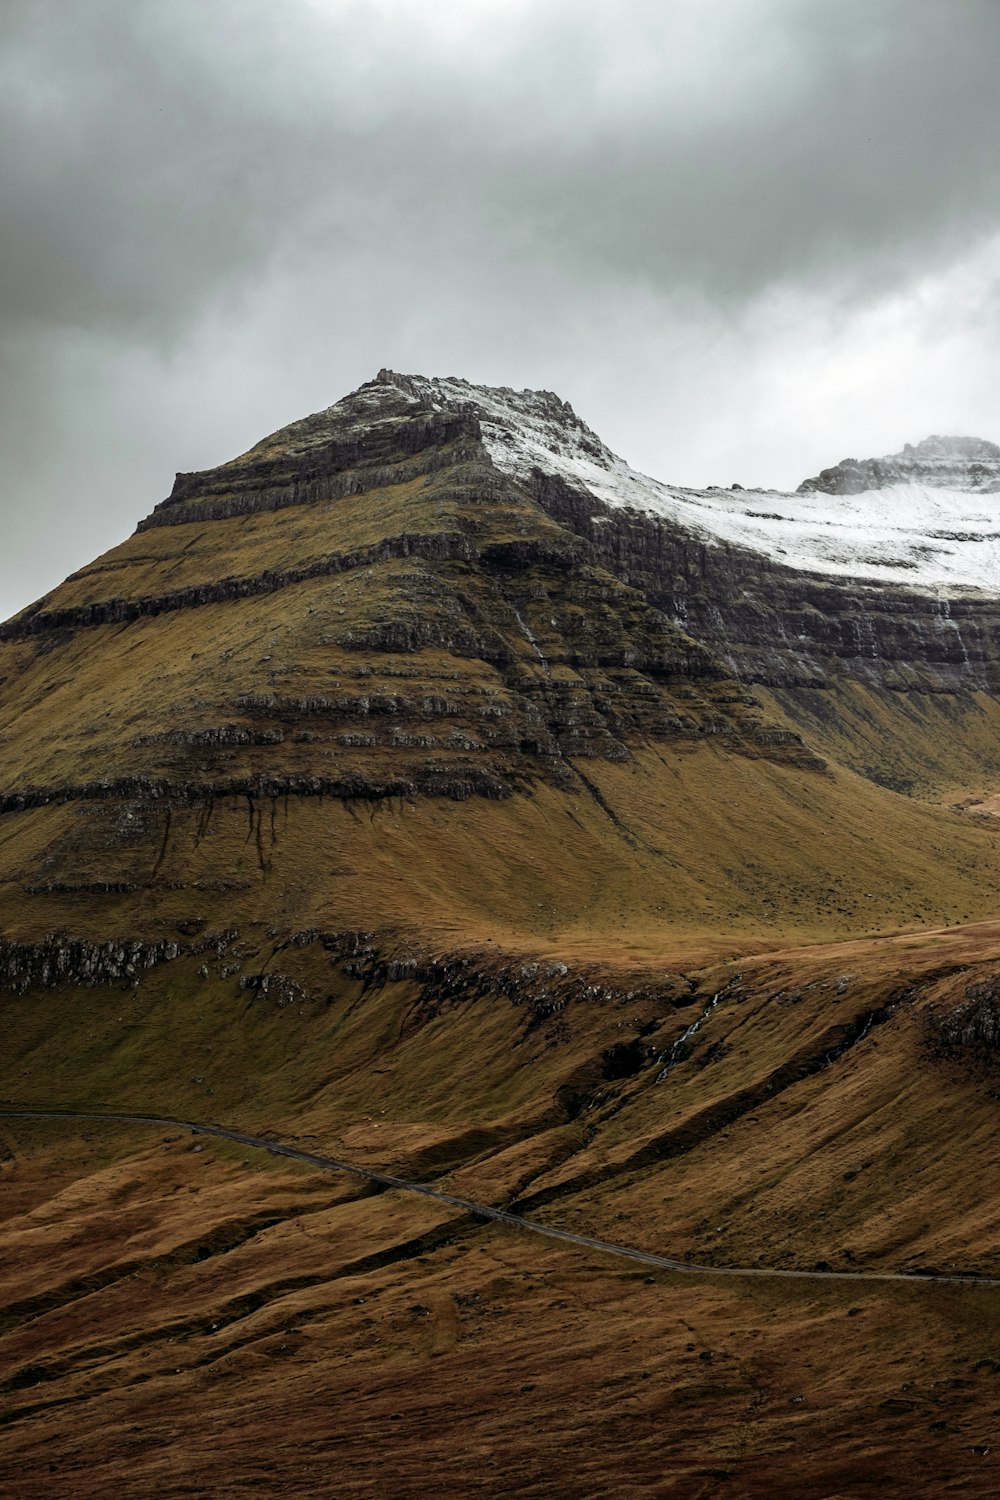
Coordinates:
[814,1120]
[177,1319]
[212,1354]
[157,562]
[543,1084]
[939,746]
[665,853]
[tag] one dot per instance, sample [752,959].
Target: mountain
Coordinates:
[427,790]
[965,464]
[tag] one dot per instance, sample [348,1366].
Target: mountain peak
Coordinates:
[955,463]
[452,390]
[542,419]
[920,515]
[523,431]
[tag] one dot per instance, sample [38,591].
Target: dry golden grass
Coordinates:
[470,1361]
[685,854]
[939,746]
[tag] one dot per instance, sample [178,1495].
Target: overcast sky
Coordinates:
[745,238]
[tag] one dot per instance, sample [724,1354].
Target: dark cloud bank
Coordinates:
[742,239]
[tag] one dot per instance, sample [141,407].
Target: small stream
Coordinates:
[679,1050]
[944,614]
[529,636]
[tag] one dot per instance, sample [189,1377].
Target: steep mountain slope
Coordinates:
[408,787]
[366,611]
[866,603]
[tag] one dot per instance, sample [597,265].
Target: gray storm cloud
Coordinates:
[217,217]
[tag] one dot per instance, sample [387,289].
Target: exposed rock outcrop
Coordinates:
[314,465]
[974,1024]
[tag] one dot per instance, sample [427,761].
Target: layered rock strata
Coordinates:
[383,614]
[780,627]
[419,596]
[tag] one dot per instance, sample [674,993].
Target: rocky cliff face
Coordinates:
[784,592]
[787,596]
[824,600]
[894,590]
[786,628]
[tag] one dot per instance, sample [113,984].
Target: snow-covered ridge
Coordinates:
[917,532]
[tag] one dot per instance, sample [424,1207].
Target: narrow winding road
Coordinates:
[485,1212]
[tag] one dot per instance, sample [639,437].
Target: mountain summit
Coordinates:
[523,432]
